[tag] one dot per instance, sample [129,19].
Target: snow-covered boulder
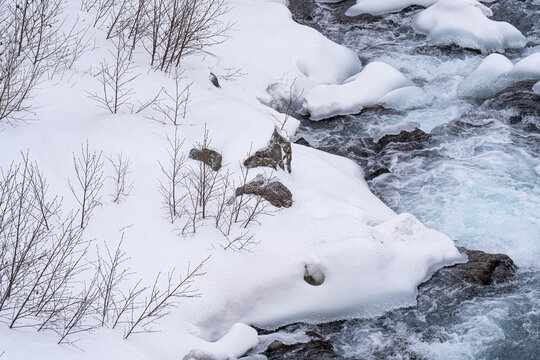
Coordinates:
[378,7]
[480,83]
[466,24]
[364,89]
[497,73]
[405,98]
[536,88]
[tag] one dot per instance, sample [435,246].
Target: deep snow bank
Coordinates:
[367,88]
[377,7]
[372,258]
[465,23]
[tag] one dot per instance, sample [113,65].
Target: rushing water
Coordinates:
[477,179]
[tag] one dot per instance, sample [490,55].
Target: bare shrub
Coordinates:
[159,302]
[174,107]
[170,188]
[115,80]
[90,178]
[122,188]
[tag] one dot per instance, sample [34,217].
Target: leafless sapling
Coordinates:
[171,187]
[90,178]
[121,168]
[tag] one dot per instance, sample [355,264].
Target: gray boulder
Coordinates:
[274,192]
[277,154]
[208,156]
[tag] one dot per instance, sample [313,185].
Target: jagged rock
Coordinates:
[277,154]
[404,141]
[483,268]
[208,156]
[313,275]
[274,192]
[302,141]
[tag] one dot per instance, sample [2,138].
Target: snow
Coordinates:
[366,88]
[237,342]
[405,98]
[465,23]
[377,7]
[536,87]
[372,258]
[480,83]
[497,73]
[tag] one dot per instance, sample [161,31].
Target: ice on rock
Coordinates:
[396,129]
[409,97]
[378,7]
[480,83]
[466,24]
[527,69]
[366,88]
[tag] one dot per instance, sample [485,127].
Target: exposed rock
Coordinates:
[376,173]
[214,80]
[274,192]
[485,268]
[405,140]
[277,154]
[302,141]
[313,275]
[314,350]
[208,156]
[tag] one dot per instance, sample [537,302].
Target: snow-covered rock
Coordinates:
[396,129]
[378,7]
[366,88]
[237,342]
[536,87]
[405,98]
[479,84]
[497,73]
[465,23]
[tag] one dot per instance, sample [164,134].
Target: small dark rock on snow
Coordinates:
[277,154]
[208,156]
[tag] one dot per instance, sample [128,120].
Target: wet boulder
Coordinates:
[404,141]
[277,154]
[208,156]
[485,269]
[316,349]
[273,191]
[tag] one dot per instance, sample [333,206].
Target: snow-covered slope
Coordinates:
[372,258]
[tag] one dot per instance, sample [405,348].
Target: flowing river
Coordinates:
[476,178]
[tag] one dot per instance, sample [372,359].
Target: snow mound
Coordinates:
[409,97]
[366,88]
[480,83]
[377,7]
[497,73]
[237,342]
[466,24]
[536,87]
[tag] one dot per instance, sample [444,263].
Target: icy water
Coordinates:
[477,179]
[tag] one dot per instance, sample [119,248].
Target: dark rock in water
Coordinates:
[376,173]
[208,156]
[520,98]
[445,50]
[277,154]
[485,268]
[317,349]
[274,192]
[302,141]
[404,141]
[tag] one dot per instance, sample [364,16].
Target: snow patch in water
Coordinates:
[466,24]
